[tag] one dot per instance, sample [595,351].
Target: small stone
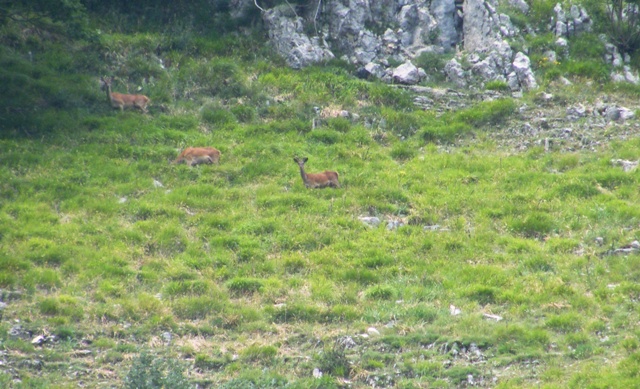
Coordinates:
[317,373]
[372,331]
[167,337]
[38,340]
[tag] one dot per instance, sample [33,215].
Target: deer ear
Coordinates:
[305,159]
[295,159]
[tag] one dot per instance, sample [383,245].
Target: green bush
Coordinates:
[149,372]
[333,361]
[594,69]
[433,64]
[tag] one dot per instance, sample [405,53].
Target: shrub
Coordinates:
[334,361]
[148,372]
[433,64]
[587,46]
[594,69]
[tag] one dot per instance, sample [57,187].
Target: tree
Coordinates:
[623,24]
[70,13]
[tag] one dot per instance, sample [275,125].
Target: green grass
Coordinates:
[258,280]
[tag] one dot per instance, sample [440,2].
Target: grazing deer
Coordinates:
[122,101]
[196,155]
[317,180]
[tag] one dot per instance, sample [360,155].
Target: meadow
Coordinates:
[490,267]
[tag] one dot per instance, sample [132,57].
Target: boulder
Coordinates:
[455,73]
[407,74]
[522,69]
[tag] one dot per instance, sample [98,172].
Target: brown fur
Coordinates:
[122,101]
[317,180]
[196,155]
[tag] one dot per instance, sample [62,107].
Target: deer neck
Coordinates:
[305,179]
[108,88]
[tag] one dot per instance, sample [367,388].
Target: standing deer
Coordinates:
[317,180]
[122,101]
[196,155]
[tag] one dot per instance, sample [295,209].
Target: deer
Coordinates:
[122,101]
[198,155]
[317,180]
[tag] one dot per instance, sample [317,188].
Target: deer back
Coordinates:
[197,155]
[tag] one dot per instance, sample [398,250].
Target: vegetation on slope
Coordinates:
[235,275]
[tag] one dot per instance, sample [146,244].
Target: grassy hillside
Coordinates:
[237,276]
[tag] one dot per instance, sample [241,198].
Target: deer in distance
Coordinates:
[121,100]
[198,155]
[317,180]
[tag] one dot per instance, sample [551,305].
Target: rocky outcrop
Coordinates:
[374,34]
[522,74]
[288,38]
[479,26]
[572,23]
[448,23]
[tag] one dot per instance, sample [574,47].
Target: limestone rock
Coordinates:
[407,74]
[455,73]
[287,37]
[522,68]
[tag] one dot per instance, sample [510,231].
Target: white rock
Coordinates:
[373,332]
[38,340]
[371,221]
[407,73]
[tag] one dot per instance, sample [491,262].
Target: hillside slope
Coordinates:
[505,252]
